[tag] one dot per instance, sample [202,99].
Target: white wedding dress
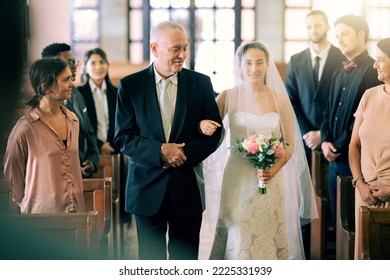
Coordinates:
[250,226]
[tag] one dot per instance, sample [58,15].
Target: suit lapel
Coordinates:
[329,67]
[152,106]
[75,107]
[180,106]
[90,103]
[111,95]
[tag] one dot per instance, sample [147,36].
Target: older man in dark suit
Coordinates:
[307,80]
[157,126]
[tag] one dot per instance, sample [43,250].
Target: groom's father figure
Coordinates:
[157,127]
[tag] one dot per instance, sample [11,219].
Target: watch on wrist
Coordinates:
[354,180]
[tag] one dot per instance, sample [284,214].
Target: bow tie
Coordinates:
[349,64]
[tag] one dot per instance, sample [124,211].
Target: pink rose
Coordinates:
[252,138]
[280,152]
[253,149]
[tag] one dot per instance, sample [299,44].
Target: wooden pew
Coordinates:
[97,197]
[375,233]
[49,236]
[319,175]
[345,218]
[110,166]
[7,206]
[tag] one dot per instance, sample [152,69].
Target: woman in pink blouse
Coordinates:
[369,149]
[41,163]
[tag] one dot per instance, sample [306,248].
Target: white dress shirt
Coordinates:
[101,106]
[323,56]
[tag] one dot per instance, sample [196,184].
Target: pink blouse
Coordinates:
[44,174]
[374,134]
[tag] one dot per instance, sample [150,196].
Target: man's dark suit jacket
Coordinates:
[307,101]
[88,148]
[139,133]
[111,94]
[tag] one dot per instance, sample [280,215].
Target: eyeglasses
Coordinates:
[73,62]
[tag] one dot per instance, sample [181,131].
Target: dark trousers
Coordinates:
[183,234]
[308,156]
[340,168]
[305,229]
[306,235]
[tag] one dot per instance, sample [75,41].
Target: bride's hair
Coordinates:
[252,45]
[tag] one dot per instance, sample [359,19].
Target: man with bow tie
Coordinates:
[348,84]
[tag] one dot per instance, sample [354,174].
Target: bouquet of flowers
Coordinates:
[262,151]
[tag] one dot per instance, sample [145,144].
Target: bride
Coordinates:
[248,225]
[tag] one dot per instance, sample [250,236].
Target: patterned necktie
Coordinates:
[316,71]
[349,64]
[165,107]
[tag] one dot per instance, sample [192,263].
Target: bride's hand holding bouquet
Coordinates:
[263,152]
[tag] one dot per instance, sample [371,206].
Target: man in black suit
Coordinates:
[309,94]
[308,84]
[165,146]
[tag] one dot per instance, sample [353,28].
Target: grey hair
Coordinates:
[164,26]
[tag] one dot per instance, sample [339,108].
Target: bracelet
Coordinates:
[354,180]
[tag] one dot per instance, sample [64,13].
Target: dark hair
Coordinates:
[318,13]
[253,45]
[384,46]
[43,74]
[358,23]
[54,50]
[87,55]
[99,51]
